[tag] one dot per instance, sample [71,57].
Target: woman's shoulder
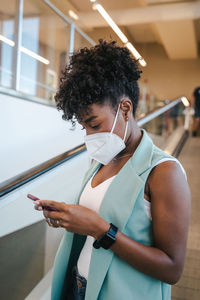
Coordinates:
[167,174]
[166,161]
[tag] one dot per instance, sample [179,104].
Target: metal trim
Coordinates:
[71,39]
[85,36]
[66,19]
[18,42]
[26,97]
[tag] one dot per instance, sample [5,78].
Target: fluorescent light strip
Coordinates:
[135,53]
[112,24]
[25,50]
[120,34]
[142,62]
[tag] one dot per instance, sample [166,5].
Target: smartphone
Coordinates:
[30,196]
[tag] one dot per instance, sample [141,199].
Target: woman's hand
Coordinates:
[74,218]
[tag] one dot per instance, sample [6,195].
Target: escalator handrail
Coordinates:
[145,118]
[26,176]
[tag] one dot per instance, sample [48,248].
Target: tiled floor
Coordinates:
[188,287]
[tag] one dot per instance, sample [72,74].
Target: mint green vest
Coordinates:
[111,278]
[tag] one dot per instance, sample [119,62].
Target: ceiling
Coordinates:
[173,24]
[85,6]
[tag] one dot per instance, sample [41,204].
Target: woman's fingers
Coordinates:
[57,215]
[49,205]
[48,221]
[52,211]
[37,207]
[53,222]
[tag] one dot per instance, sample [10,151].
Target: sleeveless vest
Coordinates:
[111,278]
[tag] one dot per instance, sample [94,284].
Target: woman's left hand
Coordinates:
[74,218]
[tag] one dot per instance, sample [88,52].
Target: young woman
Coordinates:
[126,232]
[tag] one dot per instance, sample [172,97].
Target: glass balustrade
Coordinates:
[43,51]
[7,41]
[163,126]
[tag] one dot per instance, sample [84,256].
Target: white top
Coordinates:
[92,198]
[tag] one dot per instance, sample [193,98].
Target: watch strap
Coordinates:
[107,239]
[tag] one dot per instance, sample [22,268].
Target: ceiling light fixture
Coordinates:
[112,24]
[135,53]
[120,34]
[142,62]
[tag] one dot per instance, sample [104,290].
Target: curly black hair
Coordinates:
[105,72]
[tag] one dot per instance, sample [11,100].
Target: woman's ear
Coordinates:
[126,107]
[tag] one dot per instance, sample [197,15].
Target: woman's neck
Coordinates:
[133,140]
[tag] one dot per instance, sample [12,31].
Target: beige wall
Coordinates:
[166,78]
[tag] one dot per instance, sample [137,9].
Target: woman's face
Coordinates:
[101,119]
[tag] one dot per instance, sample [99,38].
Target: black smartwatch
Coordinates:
[107,239]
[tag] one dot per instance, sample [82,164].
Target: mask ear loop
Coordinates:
[125,131]
[115,119]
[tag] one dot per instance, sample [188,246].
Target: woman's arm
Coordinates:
[170,200]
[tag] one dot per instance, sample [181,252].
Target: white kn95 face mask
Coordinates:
[104,146]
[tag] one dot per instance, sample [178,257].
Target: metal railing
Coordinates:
[145,118]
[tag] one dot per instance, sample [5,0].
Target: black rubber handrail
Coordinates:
[20,179]
[181,143]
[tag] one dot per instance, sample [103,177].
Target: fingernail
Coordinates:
[36,202]
[38,207]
